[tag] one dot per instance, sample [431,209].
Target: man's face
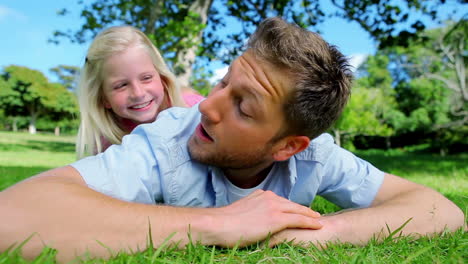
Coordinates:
[241,116]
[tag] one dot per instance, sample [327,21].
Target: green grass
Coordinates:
[23,155]
[448,175]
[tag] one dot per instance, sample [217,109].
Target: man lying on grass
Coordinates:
[246,163]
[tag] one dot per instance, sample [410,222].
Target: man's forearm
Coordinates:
[432,215]
[417,209]
[75,219]
[63,213]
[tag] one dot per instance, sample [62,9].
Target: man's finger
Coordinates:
[295,208]
[300,221]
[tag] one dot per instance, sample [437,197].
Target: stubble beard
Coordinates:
[229,161]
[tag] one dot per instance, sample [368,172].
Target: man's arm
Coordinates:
[397,201]
[60,211]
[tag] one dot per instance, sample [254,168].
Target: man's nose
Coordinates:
[215,105]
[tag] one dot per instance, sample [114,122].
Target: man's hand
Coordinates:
[299,237]
[305,237]
[254,217]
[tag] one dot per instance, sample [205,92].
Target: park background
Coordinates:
[408,111]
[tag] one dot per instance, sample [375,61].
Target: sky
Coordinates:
[26,25]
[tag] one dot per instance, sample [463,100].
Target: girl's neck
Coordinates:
[127,125]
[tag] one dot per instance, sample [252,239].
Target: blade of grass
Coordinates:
[391,235]
[162,246]
[411,257]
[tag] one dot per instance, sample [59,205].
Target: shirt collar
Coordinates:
[219,184]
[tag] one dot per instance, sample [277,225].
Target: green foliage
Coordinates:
[171,25]
[372,105]
[360,116]
[67,75]
[423,90]
[177,27]
[200,80]
[22,89]
[27,93]
[425,102]
[429,67]
[430,78]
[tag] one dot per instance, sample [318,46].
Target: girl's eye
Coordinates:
[147,77]
[120,85]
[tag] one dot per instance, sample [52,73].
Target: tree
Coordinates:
[361,117]
[184,29]
[10,105]
[429,80]
[63,112]
[175,27]
[451,48]
[443,59]
[27,92]
[67,76]
[372,108]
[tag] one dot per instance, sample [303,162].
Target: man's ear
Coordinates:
[290,146]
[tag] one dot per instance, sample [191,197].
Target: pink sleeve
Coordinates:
[192,99]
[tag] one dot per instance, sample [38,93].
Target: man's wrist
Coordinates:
[334,228]
[205,226]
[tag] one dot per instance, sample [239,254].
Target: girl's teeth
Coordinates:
[141,105]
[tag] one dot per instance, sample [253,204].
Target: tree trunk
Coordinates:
[388,143]
[443,151]
[15,124]
[154,14]
[186,58]
[32,129]
[32,124]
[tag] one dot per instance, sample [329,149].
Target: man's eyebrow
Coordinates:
[253,92]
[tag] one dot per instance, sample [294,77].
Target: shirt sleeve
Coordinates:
[348,181]
[128,171]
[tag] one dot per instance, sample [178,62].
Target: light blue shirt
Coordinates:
[153,165]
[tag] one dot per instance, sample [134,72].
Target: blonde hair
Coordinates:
[97,122]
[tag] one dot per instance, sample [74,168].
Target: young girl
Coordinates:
[124,82]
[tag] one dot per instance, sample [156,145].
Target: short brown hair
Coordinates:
[321,73]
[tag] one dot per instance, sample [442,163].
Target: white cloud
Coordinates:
[356,60]
[219,74]
[9,13]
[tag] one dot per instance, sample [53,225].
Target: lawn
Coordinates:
[23,155]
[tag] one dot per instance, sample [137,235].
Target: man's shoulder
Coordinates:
[318,150]
[166,138]
[177,114]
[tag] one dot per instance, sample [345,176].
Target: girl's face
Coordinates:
[132,86]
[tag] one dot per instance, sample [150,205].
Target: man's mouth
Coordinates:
[141,106]
[202,134]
